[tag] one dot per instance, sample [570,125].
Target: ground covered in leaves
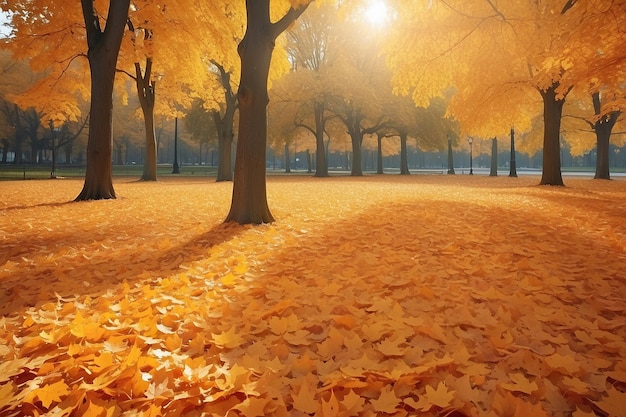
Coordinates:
[420,296]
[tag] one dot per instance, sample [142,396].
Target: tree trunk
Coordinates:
[321,163]
[103,49]
[450,158]
[19,136]
[224,126]
[552,111]
[287,158]
[249,201]
[146,93]
[493,172]
[603,127]
[404,159]
[379,155]
[357,169]
[225,135]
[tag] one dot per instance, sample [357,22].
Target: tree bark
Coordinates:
[493,172]
[146,93]
[552,111]
[321,164]
[603,127]
[357,160]
[404,157]
[249,200]
[450,157]
[103,49]
[379,154]
[287,159]
[224,124]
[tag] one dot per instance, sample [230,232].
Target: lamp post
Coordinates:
[470,141]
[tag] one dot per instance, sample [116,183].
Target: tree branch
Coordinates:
[568,5]
[92,23]
[291,16]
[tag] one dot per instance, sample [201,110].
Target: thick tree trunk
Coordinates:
[224,126]
[450,158]
[150,164]
[603,135]
[249,200]
[379,155]
[146,94]
[603,127]
[99,174]
[19,136]
[103,47]
[287,158]
[321,164]
[357,140]
[552,111]
[493,172]
[225,145]
[404,155]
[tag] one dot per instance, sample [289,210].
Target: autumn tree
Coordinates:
[306,91]
[249,200]
[493,55]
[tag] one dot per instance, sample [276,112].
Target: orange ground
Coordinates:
[427,295]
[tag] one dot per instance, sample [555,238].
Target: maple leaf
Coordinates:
[520,384]
[387,402]
[439,397]
[252,406]
[352,402]
[51,393]
[160,390]
[330,408]
[613,403]
[390,347]
[304,400]
[228,339]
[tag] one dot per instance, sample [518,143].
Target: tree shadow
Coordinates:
[51,205]
[94,273]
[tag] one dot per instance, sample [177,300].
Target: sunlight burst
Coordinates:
[377,12]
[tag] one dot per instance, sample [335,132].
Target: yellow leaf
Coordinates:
[520,384]
[50,393]
[330,408]
[229,280]
[304,400]
[439,397]
[228,339]
[387,402]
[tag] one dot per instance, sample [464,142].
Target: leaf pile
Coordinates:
[415,296]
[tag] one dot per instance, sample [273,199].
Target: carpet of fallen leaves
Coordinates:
[420,296]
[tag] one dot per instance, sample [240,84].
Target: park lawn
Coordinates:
[382,295]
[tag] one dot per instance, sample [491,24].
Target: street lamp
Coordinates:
[470,141]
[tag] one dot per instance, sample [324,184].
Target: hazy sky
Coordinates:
[3,20]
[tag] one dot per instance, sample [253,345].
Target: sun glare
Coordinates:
[376,12]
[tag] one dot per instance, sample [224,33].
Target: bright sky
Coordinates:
[377,12]
[4,31]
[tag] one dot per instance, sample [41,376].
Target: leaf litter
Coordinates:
[416,296]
